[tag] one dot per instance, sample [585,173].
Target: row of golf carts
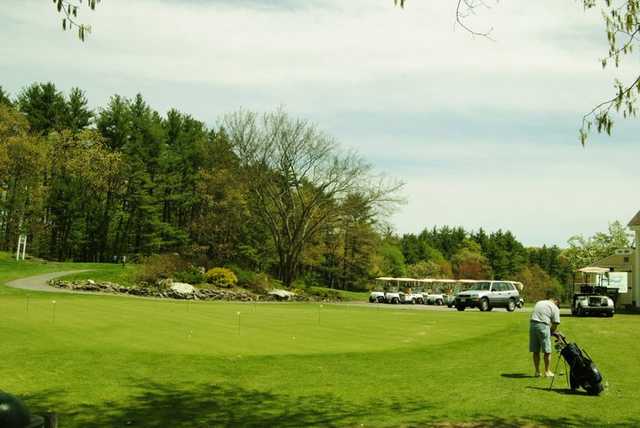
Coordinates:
[461,293]
[592,297]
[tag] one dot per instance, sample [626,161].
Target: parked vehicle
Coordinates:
[436,291]
[411,298]
[584,304]
[392,297]
[486,295]
[450,300]
[392,293]
[435,299]
[376,297]
[455,287]
[594,296]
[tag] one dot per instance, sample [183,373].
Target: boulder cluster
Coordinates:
[178,290]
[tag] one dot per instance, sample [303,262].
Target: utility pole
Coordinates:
[22,247]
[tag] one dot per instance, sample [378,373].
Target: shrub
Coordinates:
[222,277]
[259,283]
[324,293]
[245,277]
[158,267]
[191,275]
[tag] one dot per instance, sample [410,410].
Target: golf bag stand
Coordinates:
[582,373]
[555,370]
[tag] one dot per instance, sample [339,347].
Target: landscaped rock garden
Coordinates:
[178,290]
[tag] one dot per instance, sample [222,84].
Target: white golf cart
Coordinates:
[593,296]
[396,291]
[377,295]
[438,293]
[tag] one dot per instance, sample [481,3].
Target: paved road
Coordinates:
[382,306]
[41,282]
[529,308]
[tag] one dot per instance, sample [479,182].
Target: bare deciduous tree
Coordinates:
[296,175]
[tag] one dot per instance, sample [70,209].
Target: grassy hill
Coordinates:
[103,361]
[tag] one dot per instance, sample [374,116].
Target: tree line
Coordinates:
[265,193]
[447,252]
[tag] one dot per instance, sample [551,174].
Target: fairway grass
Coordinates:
[109,361]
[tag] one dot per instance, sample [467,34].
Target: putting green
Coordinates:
[102,361]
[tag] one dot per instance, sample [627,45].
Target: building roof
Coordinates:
[635,221]
[616,262]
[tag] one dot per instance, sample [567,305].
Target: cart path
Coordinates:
[41,282]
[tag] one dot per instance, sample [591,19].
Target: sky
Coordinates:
[484,133]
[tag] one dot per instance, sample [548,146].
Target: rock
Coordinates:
[282,294]
[91,282]
[182,288]
[165,283]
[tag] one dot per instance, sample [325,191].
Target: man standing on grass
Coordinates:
[544,321]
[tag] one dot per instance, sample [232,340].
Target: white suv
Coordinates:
[486,295]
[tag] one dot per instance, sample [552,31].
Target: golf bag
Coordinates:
[583,372]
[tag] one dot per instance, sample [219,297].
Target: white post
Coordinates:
[18,250]
[636,270]
[22,247]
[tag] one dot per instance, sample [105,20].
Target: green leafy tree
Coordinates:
[359,241]
[390,261]
[44,106]
[425,269]
[77,115]
[23,158]
[295,174]
[553,261]
[5,98]
[470,263]
[538,284]
[584,251]
[447,240]
[504,253]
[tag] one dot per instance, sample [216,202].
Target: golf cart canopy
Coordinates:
[594,269]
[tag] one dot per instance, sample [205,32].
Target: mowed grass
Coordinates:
[117,273]
[106,361]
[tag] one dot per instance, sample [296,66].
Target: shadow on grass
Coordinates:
[208,405]
[516,375]
[527,376]
[563,391]
[535,421]
[205,405]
